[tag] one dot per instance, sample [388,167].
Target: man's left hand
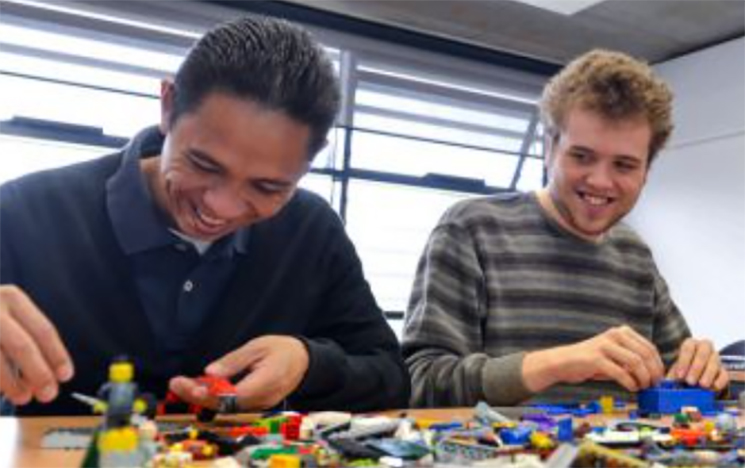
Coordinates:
[274,366]
[699,364]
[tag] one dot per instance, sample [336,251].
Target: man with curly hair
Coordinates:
[546,296]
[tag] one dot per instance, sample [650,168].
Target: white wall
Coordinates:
[692,212]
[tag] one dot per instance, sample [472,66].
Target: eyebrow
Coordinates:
[627,157]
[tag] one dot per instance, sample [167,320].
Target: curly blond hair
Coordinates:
[616,86]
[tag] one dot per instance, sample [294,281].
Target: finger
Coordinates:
[722,380]
[711,371]
[22,353]
[43,332]
[702,353]
[191,391]
[628,360]
[256,391]
[672,373]
[647,351]
[618,374]
[236,362]
[685,358]
[10,385]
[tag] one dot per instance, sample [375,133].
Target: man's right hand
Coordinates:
[619,354]
[33,359]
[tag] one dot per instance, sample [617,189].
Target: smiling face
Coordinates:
[597,169]
[226,165]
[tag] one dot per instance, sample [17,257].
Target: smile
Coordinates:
[595,200]
[208,221]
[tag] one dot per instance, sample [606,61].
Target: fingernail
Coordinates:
[64,372]
[22,399]
[215,369]
[48,393]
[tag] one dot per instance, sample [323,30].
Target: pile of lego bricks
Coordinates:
[695,431]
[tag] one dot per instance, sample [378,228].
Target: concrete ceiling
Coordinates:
[656,30]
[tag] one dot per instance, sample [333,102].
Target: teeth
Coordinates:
[596,200]
[210,220]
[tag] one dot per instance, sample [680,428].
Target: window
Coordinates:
[414,137]
[21,156]
[391,224]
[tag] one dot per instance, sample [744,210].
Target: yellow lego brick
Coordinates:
[284,461]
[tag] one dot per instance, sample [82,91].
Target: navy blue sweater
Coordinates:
[301,278]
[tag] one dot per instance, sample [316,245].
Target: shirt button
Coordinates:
[181,247]
[188,286]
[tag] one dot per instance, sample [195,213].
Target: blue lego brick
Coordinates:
[573,409]
[445,426]
[670,396]
[565,430]
[594,407]
[516,436]
[542,421]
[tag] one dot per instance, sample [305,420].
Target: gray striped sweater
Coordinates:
[499,278]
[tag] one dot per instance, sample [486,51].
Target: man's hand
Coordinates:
[33,360]
[275,366]
[619,354]
[699,364]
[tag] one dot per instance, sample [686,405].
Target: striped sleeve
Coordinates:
[443,341]
[670,327]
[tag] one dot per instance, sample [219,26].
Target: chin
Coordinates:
[595,232]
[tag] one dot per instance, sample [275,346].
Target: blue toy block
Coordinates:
[670,396]
[516,436]
[594,407]
[542,421]
[445,426]
[573,409]
[565,431]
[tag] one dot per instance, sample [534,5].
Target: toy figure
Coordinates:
[119,397]
[117,441]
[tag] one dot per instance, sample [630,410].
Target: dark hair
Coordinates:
[271,62]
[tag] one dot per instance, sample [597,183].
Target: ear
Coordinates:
[166,104]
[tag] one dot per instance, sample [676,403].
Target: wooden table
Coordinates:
[20,442]
[20,438]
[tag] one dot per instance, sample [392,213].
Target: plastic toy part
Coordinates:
[71,438]
[598,455]
[222,389]
[607,404]
[669,397]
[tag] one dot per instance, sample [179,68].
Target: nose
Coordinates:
[600,177]
[225,202]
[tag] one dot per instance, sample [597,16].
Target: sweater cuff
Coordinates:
[502,380]
[325,368]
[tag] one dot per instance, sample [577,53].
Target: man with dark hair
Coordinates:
[546,296]
[192,250]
